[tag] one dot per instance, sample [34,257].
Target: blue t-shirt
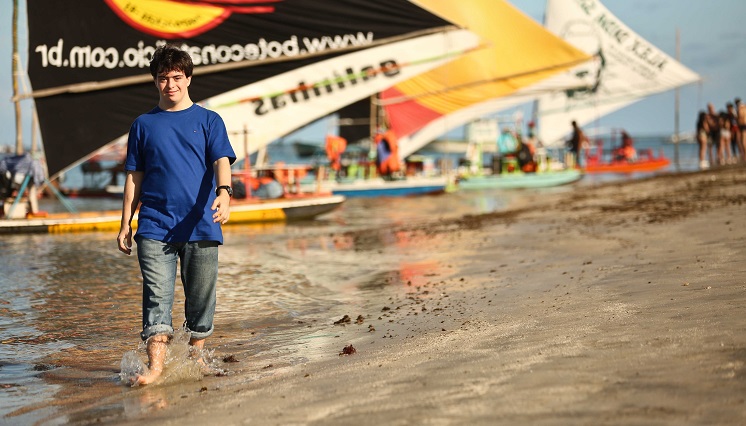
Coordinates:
[175,151]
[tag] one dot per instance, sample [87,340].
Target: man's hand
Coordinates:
[124,241]
[222,207]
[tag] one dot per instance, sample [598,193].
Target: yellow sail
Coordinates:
[518,52]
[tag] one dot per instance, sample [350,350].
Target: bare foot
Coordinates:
[145,379]
[196,349]
[157,347]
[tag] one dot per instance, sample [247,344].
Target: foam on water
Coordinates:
[131,367]
[182,362]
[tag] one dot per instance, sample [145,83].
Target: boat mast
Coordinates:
[15,64]
[676,107]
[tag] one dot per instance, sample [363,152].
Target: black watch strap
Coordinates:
[227,188]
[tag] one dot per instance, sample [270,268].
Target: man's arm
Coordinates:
[222,203]
[131,198]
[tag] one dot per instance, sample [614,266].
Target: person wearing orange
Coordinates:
[387,149]
[627,151]
[335,146]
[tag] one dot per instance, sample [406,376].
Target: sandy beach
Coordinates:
[622,303]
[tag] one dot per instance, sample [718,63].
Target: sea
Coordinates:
[683,156]
[70,303]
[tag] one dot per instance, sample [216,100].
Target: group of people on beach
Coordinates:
[721,134]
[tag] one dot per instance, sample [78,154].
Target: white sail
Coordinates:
[276,106]
[626,68]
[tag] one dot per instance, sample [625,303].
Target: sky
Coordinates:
[712,37]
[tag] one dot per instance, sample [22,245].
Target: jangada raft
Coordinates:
[242,212]
[646,162]
[256,205]
[623,159]
[352,173]
[521,180]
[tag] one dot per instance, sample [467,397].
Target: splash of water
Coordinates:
[183,362]
[131,367]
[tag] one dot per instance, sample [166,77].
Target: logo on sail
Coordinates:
[183,19]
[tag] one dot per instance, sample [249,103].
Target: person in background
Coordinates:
[741,122]
[178,168]
[703,131]
[507,147]
[527,152]
[726,156]
[335,146]
[387,154]
[21,176]
[627,151]
[578,141]
[735,136]
[713,128]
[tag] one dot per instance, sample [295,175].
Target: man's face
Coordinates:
[172,86]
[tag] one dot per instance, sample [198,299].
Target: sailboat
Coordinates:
[626,68]
[416,109]
[622,69]
[625,158]
[358,169]
[267,67]
[521,57]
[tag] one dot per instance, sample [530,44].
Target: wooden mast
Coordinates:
[15,64]
[676,108]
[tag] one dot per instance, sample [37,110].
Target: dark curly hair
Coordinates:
[170,58]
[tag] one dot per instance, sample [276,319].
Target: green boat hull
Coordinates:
[520,180]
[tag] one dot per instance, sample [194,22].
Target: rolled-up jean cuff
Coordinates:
[155,329]
[199,335]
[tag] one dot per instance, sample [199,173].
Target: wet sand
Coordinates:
[623,303]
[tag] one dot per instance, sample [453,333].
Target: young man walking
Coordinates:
[178,168]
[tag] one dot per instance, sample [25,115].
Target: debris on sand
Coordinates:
[230,358]
[344,320]
[348,350]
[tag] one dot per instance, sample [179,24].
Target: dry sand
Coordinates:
[618,304]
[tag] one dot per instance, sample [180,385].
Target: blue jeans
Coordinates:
[199,274]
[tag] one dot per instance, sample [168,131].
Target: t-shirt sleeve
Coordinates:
[134,160]
[218,142]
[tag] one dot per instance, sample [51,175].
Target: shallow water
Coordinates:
[70,304]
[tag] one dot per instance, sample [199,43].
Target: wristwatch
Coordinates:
[227,188]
